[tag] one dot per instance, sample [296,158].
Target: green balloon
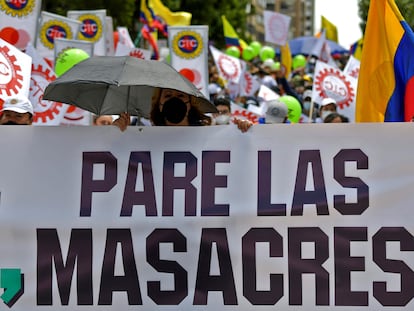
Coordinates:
[256,46]
[67,59]
[276,66]
[233,51]
[294,107]
[267,52]
[298,61]
[248,53]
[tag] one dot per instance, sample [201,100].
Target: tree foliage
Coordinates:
[122,12]
[406,8]
[126,13]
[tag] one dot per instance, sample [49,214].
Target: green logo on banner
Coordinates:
[13,283]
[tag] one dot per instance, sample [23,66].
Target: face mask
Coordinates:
[306,105]
[222,119]
[325,113]
[174,110]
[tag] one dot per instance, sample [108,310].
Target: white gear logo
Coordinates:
[332,83]
[10,73]
[45,110]
[228,67]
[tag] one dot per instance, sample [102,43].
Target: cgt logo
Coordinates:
[12,280]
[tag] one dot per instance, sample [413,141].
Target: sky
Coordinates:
[343,14]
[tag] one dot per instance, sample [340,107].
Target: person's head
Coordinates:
[17,110]
[223,105]
[327,106]
[174,108]
[103,120]
[335,117]
[307,99]
[277,112]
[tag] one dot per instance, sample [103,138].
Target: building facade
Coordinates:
[301,11]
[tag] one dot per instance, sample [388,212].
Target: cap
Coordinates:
[327,101]
[214,88]
[276,112]
[306,94]
[19,104]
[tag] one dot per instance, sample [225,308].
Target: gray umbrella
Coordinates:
[115,84]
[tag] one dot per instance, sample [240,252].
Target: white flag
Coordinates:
[123,50]
[92,28]
[332,82]
[276,27]
[124,37]
[45,112]
[54,26]
[18,21]
[242,113]
[352,67]
[229,67]
[267,94]
[109,36]
[248,84]
[77,116]
[15,68]
[189,54]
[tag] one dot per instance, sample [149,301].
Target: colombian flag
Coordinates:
[145,15]
[286,59]
[170,18]
[356,49]
[386,78]
[230,36]
[330,29]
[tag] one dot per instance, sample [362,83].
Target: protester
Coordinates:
[17,110]
[277,112]
[103,120]
[327,107]
[174,108]
[336,117]
[306,106]
[223,105]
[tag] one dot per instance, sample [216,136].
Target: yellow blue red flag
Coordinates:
[386,79]
[286,59]
[356,49]
[230,36]
[145,14]
[170,18]
[331,31]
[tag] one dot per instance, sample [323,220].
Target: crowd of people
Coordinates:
[174,108]
[298,84]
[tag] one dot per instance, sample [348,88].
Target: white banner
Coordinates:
[189,54]
[92,29]
[123,50]
[46,112]
[18,21]
[352,67]
[332,82]
[54,26]
[125,37]
[207,218]
[276,27]
[15,70]
[109,36]
[229,67]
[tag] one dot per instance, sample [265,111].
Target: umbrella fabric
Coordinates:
[112,85]
[304,45]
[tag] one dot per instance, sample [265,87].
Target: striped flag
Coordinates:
[386,77]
